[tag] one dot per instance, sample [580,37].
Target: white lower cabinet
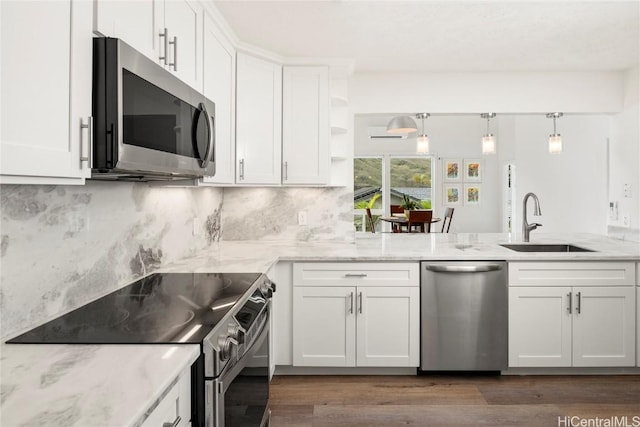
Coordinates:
[551,325]
[349,325]
[175,408]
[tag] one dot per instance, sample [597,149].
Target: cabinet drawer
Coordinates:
[175,403]
[571,273]
[356,274]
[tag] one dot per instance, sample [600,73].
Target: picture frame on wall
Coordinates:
[452,195]
[473,170]
[452,170]
[472,194]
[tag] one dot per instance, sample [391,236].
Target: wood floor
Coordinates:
[452,400]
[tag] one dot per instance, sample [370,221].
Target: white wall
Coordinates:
[521,92]
[624,160]
[572,185]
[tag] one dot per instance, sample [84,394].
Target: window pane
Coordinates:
[367,185]
[411,177]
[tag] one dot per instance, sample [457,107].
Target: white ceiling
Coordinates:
[445,35]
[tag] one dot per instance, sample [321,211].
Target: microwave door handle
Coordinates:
[205,161]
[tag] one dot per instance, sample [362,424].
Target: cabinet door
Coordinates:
[388,326]
[539,326]
[258,121]
[219,86]
[175,408]
[183,20]
[305,125]
[135,22]
[604,326]
[45,91]
[324,326]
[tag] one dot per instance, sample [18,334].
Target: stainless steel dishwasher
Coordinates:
[463,316]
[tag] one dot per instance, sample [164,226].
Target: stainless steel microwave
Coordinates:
[147,124]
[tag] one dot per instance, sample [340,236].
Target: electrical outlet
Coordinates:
[302,217]
[196,226]
[627,191]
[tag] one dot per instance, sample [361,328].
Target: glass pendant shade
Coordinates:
[488,144]
[422,144]
[555,143]
[402,124]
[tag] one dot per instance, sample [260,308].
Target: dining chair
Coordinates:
[421,219]
[446,220]
[372,224]
[396,209]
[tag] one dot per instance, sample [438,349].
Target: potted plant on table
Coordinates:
[408,204]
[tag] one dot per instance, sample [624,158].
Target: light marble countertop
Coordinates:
[113,385]
[259,256]
[86,385]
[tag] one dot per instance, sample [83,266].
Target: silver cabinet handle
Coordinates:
[351,303]
[463,268]
[241,169]
[89,127]
[174,423]
[579,302]
[174,64]
[286,171]
[355,275]
[360,297]
[570,308]
[164,35]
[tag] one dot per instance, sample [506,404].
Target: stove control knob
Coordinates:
[238,333]
[226,347]
[268,288]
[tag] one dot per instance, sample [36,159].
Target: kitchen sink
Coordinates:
[527,247]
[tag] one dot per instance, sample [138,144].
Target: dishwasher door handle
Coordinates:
[463,268]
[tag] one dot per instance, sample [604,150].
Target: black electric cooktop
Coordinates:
[159,308]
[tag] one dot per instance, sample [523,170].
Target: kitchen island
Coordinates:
[80,385]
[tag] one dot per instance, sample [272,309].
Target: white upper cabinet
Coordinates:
[45,91]
[132,21]
[169,32]
[258,121]
[183,24]
[305,125]
[219,86]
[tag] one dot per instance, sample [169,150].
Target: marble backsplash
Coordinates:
[63,246]
[272,214]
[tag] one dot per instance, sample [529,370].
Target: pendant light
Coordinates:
[422,143]
[555,140]
[402,124]
[488,140]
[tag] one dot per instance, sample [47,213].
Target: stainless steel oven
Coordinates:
[147,123]
[237,390]
[240,395]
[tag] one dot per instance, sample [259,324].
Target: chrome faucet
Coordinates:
[526,227]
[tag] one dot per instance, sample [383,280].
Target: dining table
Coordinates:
[398,220]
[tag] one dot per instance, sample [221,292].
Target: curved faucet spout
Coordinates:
[526,227]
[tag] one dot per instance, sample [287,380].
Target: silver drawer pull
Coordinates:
[174,423]
[355,275]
